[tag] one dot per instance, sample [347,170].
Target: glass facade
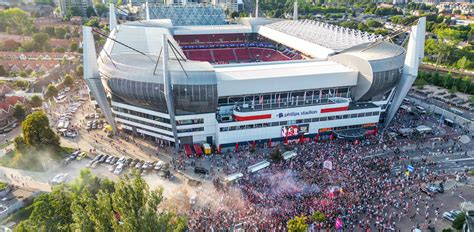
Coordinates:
[188,99]
[382,82]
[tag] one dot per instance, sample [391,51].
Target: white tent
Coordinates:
[423,129]
[233,177]
[289,154]
[258,166]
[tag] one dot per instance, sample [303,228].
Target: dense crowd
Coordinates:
[362,189]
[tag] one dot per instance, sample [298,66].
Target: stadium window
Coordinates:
[360,115]
[345,116]
[283,123]
[353,115]
[299,121]
[315,120]
[368,114]
[307,120]
[323,119]
[275,123]
[330,118]
[232,128]
[242,127]
[338,117]
[376,113]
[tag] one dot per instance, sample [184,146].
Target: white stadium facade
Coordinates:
[262,81]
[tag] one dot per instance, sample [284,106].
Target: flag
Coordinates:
[338,224]
[278,100]
[261,100]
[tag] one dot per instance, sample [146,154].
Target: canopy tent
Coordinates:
[258,166]
[233,177]
[423,129]
[187,150]
[405,131]
[197,149]
[289,154]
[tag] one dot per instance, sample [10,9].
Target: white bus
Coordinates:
[421,110]
[456,111]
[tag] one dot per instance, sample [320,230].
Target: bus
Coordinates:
[456,111]
[421,110]
[448,122]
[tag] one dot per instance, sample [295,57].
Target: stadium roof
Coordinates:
[327,35]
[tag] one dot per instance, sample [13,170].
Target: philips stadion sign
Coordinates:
[294,114]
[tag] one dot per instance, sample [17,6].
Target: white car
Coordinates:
[118,169]
[146,165]
[159,165]
[59,179]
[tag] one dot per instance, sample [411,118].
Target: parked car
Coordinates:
[59,179]
[109,159]
[139,164]
[451,215]
[114,160]
[94,165]
[128,162]
[134,162]
[75,154]
[81,156]
[146,165]
[159,165]
[118,169]
[98,157]
[104,158]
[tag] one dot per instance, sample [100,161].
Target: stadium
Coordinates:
[262,81]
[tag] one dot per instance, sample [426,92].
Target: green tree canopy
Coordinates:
[459,221]
[40,40]
[68,81]
[59,32]
[19,111]
[37,132]
[51,91]
[91,204]
[297,224]
[36,101]
[318,216]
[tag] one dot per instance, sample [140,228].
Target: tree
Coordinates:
[49,30]
[37,132]
[447,230]
[453,89]
[458,222]
[91,204]
[68,81]
[79,71]
[318,216]
[36,101]
[90,12]
[276,155]
[59,32]
[19,111]
[51,91]
[297,224]
[362,27]
[73,47]
[40,40]
[374,23]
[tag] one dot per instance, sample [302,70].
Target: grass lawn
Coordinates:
[33,161]
[3,185]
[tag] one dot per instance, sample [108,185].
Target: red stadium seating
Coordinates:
[226,55]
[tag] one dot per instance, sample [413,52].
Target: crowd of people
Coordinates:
[361,189]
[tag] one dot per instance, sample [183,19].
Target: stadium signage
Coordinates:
[295,114]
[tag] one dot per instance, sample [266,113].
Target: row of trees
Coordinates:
[455,84]
[93,204]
